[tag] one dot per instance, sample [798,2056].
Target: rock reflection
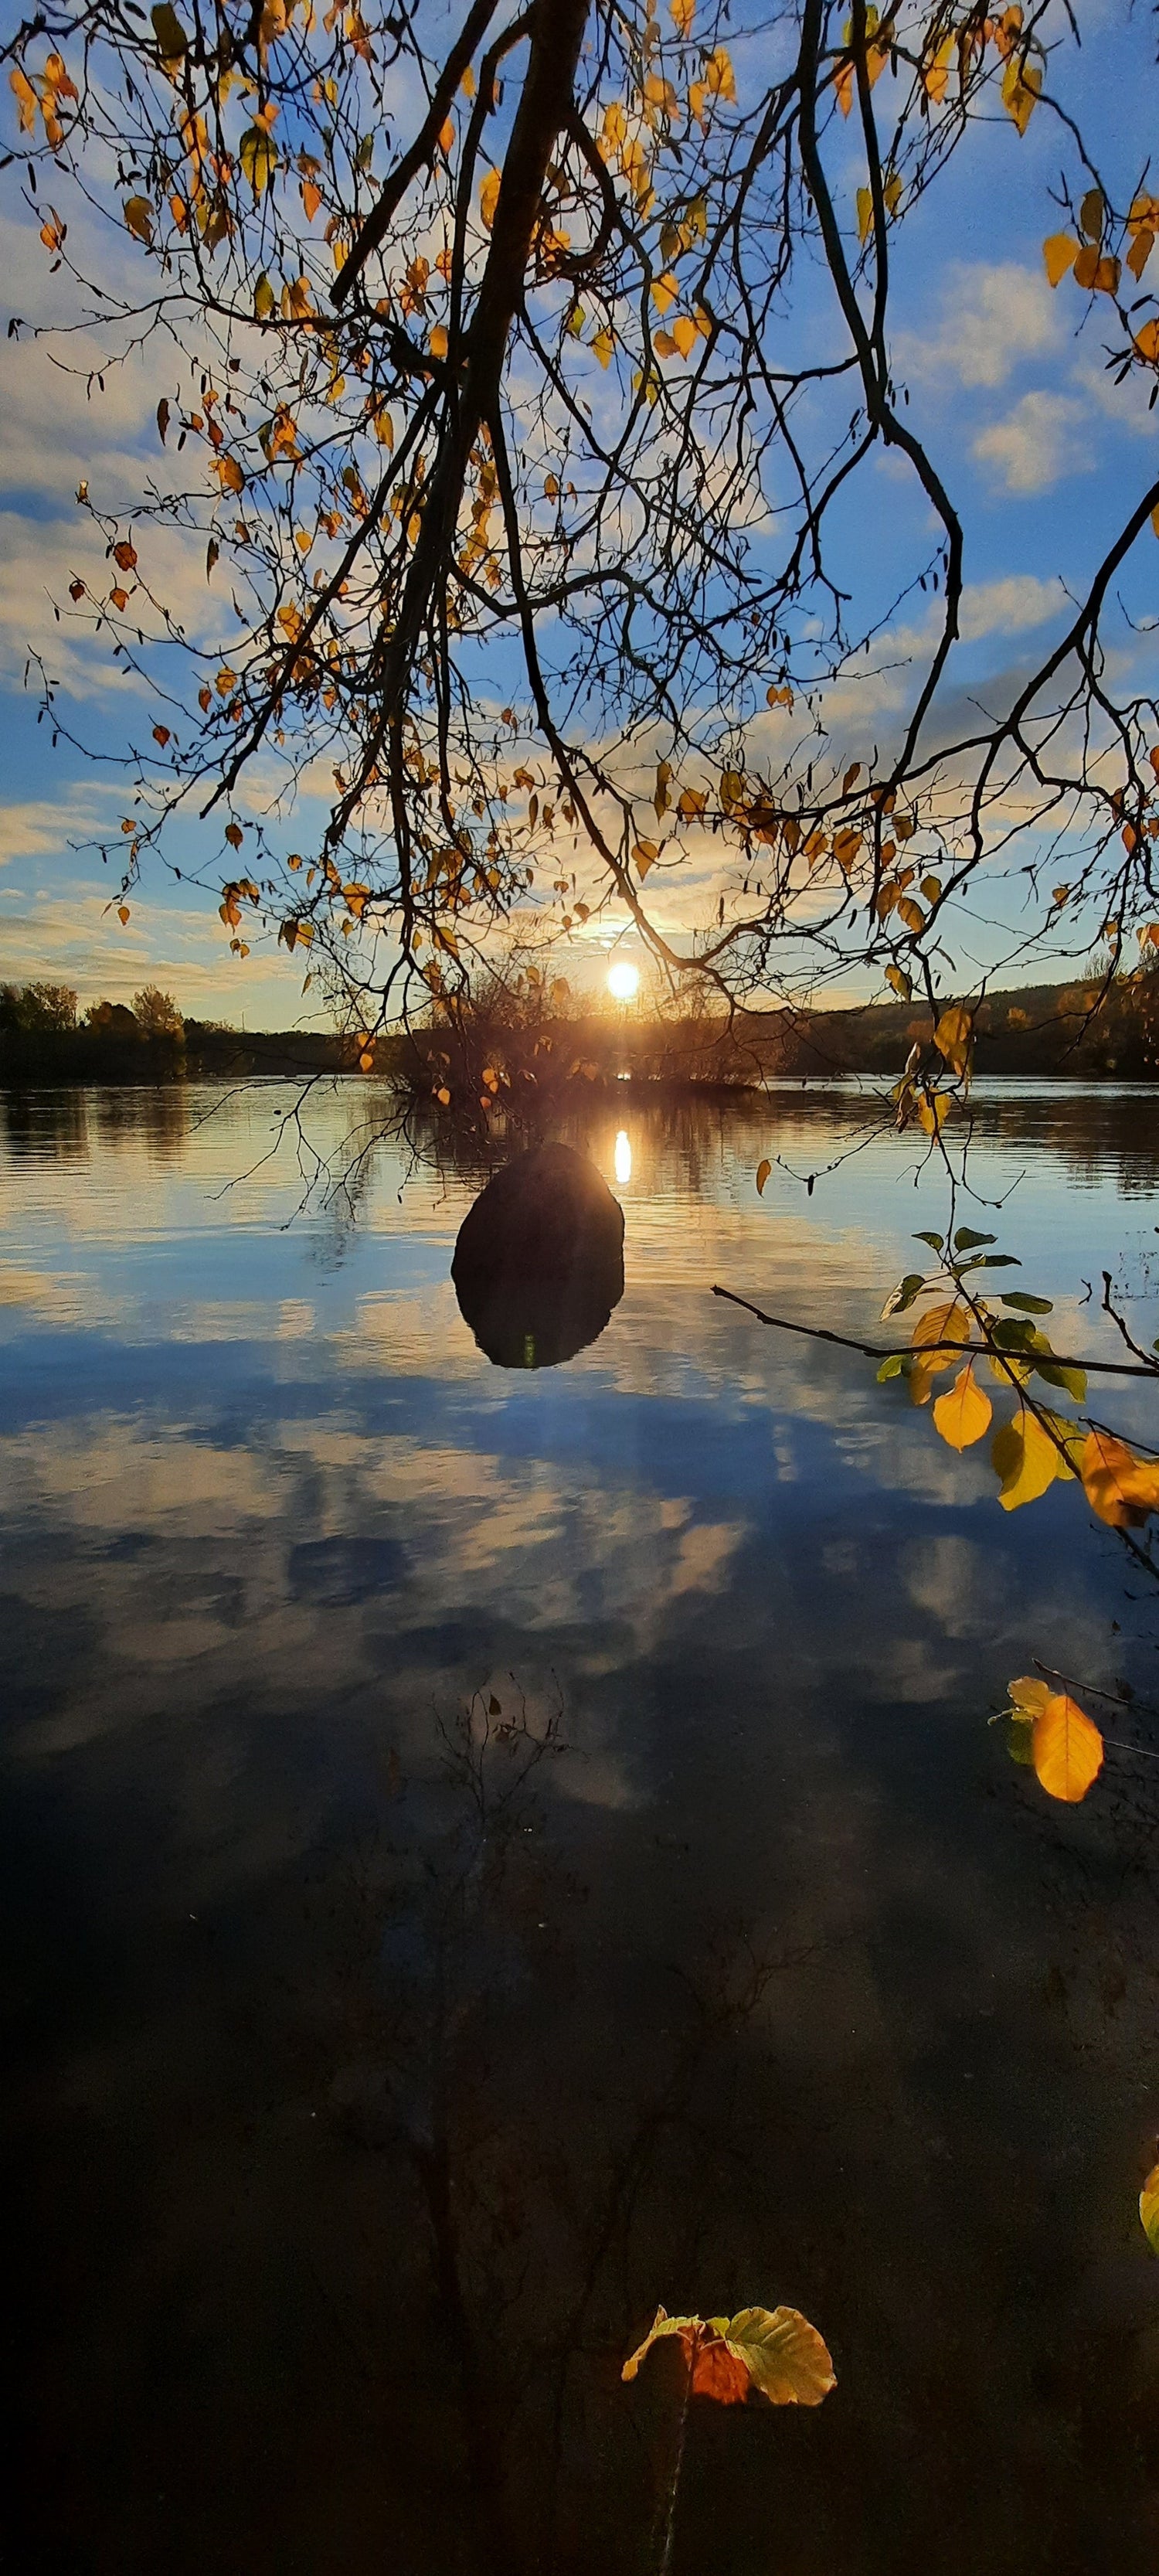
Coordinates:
[539,1262]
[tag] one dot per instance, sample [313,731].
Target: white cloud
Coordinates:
[1008,606]
[1038,443]
[44,825]
[990,319]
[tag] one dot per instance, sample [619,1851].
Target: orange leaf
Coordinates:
[1066,1749]
[1120,1488]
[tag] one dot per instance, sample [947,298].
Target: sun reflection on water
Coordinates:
[622,1158]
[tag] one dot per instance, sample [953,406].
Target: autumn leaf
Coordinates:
[139,217]
[1059,251]
[953,1037]
[1026,1458]
[1066,1748]
[25,97]
[775,2351]
[963,1414]
[763,1171]
[258,155]
[1120,1488]
[684,333]
[489,196]
[1021,90]
[1149,2208]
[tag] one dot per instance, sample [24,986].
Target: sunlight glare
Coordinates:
[623,980]
[622,1158]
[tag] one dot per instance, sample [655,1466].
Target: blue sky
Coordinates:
[1007,382]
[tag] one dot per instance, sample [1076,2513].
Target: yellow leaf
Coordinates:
[776,2352]
[937,72]
[1021,90]
[489,196]
[665,290]
[683,13]
[1028,1695]
[25,96]
[311,198]
[258,155]
[963,1414]
[602,347]
[933,1113]
[864,213]
[1147,341]
[1059,252]
[1026,1459]
[763,1171]
[953,1036]
[122,912]
[895,976]
[1149,2208]
[383,426]
[911,913]
[438,341]
[264,299]
[684,333]
[1100,276]
[892,192]
[1119,1487]
[1139,253]
[1066,1749]
[718,75]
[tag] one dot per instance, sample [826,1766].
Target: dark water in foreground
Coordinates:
[374,2073]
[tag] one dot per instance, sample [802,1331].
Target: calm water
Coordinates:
[376,2071]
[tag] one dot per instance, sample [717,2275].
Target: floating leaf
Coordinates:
[963,1414]
[1066,1748]
[1149,2208]
[775,2351]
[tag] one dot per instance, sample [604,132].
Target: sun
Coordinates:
[623,980]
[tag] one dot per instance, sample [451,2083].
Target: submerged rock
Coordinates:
[539,1262]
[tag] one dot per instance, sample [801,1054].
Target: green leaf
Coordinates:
[1009,1335]
[1073,1381]
[996,1261]
[264,299]
[1019,1734]
[966,1239]
[172,40]
[1030,1305]
[903,1295]
[936,1241]
[890,1367]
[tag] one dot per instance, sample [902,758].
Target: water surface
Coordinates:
[377,2069]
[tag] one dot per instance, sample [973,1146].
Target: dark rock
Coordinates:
[539,1263]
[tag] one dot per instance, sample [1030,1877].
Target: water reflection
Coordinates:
[539,1260]
[369,2085]
[622,1159]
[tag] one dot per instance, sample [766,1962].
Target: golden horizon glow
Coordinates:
[623,980]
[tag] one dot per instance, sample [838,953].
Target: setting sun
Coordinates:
[623,980]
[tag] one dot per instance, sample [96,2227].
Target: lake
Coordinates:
[486,1852]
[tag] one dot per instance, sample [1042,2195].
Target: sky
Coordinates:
[1007,381]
